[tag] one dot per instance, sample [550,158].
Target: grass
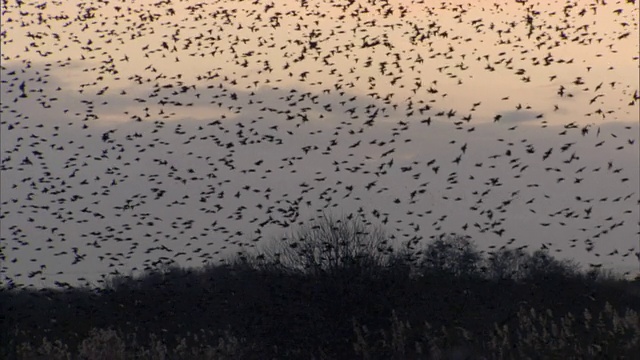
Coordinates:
[534,335]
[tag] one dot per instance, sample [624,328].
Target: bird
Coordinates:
[111,138]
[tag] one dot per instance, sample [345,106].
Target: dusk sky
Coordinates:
[134,132]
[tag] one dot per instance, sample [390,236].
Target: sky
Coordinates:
[144,132]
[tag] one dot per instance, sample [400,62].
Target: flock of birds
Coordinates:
[141,134]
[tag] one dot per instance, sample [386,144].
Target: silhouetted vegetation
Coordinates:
[337,289]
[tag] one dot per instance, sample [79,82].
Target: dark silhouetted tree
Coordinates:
[507,264]
[329,245]
[541,264]
[453,255]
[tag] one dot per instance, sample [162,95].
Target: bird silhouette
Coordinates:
[155,133]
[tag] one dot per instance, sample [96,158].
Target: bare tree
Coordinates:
[452,254]
[542,264]
[507,263]
[330,244]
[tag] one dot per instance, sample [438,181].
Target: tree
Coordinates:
[452,254]
[542,264]
[330,244]
[507,264]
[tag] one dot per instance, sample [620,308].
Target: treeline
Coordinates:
[338,289]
